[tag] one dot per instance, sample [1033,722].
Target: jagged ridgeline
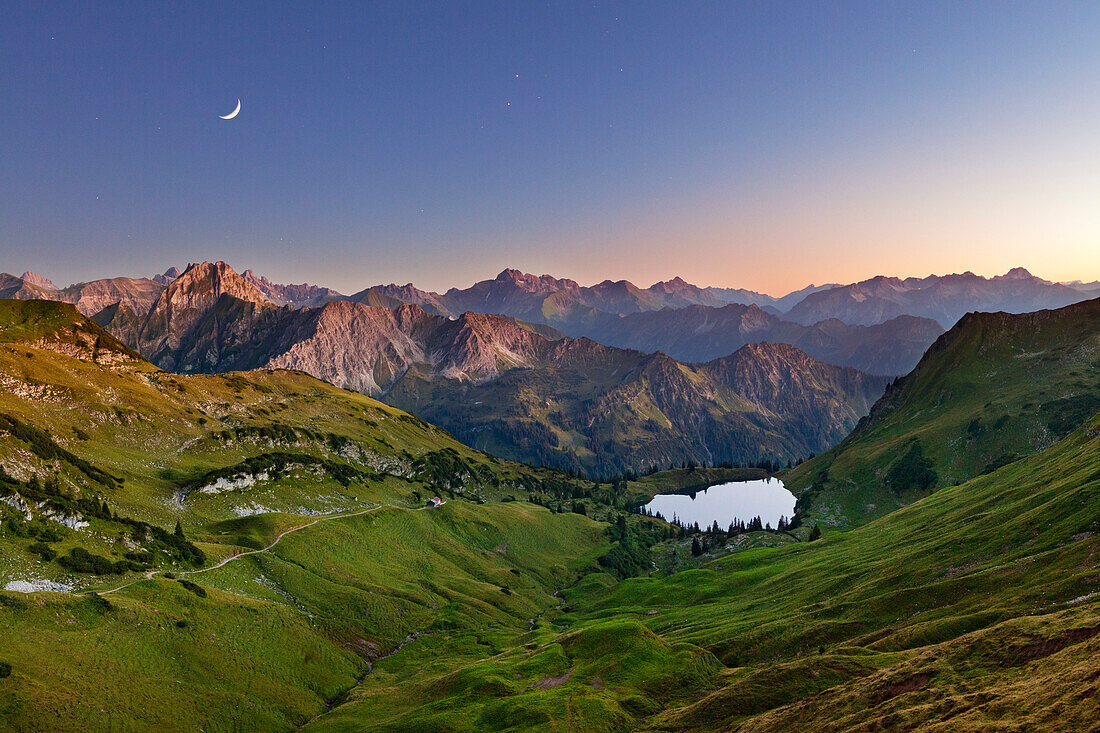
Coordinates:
[514,388]
[994,389]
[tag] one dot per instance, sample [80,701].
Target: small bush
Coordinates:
[98,602]
[5,670]
[182,624]
[80,560]
[45,551]
[911,472]
[193,587]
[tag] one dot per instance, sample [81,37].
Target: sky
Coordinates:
[738,144]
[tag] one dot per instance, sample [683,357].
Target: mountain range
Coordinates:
[500,363]
[945,298]
[522,389]
[620,313]
[310,585]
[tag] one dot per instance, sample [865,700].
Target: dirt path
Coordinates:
[225,561]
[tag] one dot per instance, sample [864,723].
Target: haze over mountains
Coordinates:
[623,314]
[523,389]
[942,298]
[598,378]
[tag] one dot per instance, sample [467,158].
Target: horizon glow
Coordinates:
[734,145]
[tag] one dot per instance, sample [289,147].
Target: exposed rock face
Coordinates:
[351,345]
[19,289]
[38,281]
[786,381]
[367,348]
[90,298]
[942,298]
[199,294]
[168,276]
[296,296]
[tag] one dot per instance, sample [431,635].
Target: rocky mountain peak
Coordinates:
[38,281]
[294,295]
[1017,273]
[206,282]
[167,276]
[534,283]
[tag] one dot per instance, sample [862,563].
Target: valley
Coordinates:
[309,582]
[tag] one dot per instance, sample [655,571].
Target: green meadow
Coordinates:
[255,552]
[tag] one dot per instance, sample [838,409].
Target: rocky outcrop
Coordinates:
[207,292]
[137,295]
[296,296]
[352,345]
[167,276]
[17,288]
[38,281]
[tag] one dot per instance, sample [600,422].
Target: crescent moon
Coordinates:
[232,114]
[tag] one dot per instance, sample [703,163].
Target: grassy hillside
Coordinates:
[103,454]
[308,585]
[995,388]
[303,552]
[976,608]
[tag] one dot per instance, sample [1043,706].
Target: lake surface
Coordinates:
[765,498]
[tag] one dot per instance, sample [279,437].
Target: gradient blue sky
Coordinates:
[761,145]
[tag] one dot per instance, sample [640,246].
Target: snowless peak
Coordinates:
[168,276]
[38,281]
[1018,273]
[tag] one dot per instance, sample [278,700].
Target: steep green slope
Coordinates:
[994,388]
[303,550]
[975,608]
[312,497]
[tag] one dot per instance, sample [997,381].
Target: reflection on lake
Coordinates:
[765,498]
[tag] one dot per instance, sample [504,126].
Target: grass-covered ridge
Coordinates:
[973,608]
[995,388]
